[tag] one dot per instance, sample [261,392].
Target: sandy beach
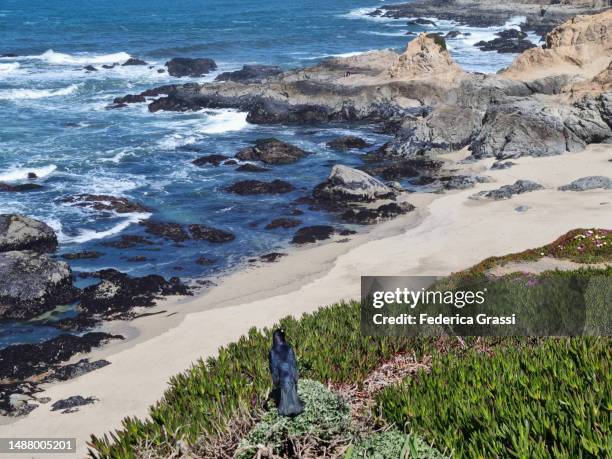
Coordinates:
[448,232]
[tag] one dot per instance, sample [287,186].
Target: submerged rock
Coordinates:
[247,187]
[310,234]
[346,184]
[184,66]
[271,151]
[32,283]
[251,168]
[18,232]
[20,187]
[215,160]
[250,74]
[127,241]
[283,223]
[588,183]
[85,255]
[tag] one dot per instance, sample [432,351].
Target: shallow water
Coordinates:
[55,124]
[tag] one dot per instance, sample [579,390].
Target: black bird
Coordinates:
[284,370]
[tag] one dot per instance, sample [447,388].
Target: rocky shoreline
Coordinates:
[421,97]
[541,16]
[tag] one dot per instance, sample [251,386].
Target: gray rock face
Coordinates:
[507,191]
[446,128]
[271,151]
[588,183]
[346,184]
[535,128]
[32,283]
[22,233]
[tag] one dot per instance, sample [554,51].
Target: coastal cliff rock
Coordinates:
[22,233]
[32,283]
[581,46]
[425,56]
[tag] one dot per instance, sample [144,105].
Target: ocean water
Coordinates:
[54,121]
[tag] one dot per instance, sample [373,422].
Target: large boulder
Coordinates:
[346,184]
[32,283]
[184,66]
[22,233]
[271,151]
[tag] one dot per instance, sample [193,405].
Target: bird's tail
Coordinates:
[290,403]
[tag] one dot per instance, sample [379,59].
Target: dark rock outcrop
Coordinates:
[184,66]
[32,283]
[507,41]
[134,61]
[250,74]
[271,151]
[23,233]
[207,233]
[272,257]
[173,231]
[117,293]
[310,234]
[368,216]
[248,187]
[22,361]
[103,202]
[74,370]
[348,142]
[128,241]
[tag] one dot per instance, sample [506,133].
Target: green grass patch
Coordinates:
[553,400]
[590,245]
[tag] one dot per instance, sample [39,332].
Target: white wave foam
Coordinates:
[55,58]
[225,121]
[85,235]
[29,94]
[21,173]
[401,33]
[8,67]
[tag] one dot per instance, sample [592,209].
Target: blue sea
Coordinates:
[54,121]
